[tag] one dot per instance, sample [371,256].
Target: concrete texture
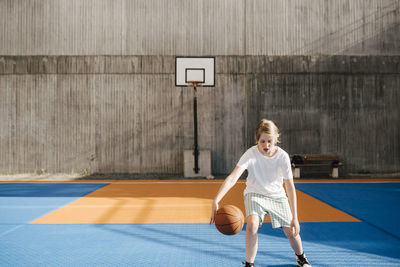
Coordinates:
[116,119]
[88,86]
[192,27]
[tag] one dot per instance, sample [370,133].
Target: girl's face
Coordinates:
[266,144]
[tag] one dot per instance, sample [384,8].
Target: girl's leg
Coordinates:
[295,242]
[253,221]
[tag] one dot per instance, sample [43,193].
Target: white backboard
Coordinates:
[199,69]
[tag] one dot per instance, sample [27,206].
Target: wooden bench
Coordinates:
[316,160]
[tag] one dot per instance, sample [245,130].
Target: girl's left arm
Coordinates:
[291,192]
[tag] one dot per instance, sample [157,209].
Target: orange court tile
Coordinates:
[170,202]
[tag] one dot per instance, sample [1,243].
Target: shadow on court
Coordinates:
[191,244]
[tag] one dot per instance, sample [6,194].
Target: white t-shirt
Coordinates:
[266,174]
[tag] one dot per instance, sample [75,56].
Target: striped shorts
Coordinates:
[278,209]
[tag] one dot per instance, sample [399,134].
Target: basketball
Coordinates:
[229,220]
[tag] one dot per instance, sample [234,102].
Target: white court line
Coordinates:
[11,230]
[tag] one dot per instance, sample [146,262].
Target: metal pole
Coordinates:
[196,146]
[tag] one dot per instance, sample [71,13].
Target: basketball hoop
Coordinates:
[195,83]
[195,71]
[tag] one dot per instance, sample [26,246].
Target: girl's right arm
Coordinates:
[229,182]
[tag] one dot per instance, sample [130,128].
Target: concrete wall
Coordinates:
[326,104]
[88,86]
[124,114]
[199,27]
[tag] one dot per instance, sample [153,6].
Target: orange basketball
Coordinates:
[229,220]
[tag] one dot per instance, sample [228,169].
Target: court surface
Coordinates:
[165,223]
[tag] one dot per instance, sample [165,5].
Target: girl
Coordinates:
[268,167]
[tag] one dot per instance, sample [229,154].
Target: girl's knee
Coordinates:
[288,232]
[253,222]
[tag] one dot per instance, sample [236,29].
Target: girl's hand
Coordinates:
[213,211]
[295,227]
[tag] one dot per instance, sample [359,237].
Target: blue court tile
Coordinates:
[25,202]
[6,228]
[48,189]
[120,245]
[343,238]
[373,203]
[356,236]
[25,210]
[184,245]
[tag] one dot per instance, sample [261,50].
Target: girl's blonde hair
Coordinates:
[268,127]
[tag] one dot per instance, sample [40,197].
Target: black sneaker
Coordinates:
[302,260]
[247,264]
